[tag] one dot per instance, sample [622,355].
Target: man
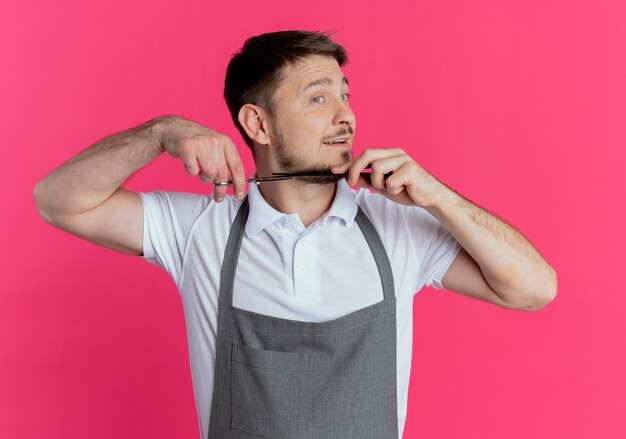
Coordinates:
[299,323]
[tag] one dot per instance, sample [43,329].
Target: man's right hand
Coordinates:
[204,152]
[84,196]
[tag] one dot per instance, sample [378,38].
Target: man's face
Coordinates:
[312,109]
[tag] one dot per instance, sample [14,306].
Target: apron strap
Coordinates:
[235,238]
[378,250]
[231,255]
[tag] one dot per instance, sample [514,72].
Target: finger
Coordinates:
[208,169]
[364,181]
[366,158]
[381,167]
[401,179]
[190,162]
[219,192]
[237,172]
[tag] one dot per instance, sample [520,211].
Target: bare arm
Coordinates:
[496,264]
[84,196]
[87,180]
[496,261]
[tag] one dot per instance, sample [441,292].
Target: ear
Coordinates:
[253,121]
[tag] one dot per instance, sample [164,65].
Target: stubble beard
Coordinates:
[291,163]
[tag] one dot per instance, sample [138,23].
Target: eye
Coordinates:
[345,96]
[317,99]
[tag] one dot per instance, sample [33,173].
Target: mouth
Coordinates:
[337,141]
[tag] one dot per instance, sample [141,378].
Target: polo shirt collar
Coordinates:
[262,215]
[344,205]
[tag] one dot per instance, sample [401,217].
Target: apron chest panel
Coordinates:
[286,379]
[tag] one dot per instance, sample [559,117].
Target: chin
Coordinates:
[346,156]
[339,157]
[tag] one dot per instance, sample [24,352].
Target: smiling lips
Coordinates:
[337,141]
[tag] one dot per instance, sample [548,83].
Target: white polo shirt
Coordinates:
[285,270]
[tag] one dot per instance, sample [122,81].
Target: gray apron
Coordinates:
[286,379]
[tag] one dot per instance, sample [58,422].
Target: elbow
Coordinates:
[542,300]
[39,201]
[533,296]
[540,303]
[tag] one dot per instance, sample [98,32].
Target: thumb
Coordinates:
[340,169]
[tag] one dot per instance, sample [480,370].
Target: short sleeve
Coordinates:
[441,251]
[167,222]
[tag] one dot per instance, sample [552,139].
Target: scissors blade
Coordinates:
[290,175]
[255,180]
[307,174]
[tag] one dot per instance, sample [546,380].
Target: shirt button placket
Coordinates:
[299,262]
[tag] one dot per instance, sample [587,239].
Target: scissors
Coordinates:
[291,175]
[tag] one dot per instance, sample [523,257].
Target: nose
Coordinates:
[343,114]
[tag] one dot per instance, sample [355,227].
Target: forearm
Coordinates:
[88,179]
[509,263]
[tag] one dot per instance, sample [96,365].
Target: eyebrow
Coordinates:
[322,81]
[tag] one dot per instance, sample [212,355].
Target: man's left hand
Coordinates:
[408,184]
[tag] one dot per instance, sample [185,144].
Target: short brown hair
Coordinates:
[254,72]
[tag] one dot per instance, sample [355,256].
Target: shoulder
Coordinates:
[187,207]
[176,200]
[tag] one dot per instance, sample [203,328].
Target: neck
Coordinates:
[309,200]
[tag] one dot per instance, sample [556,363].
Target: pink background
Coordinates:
[518,105]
